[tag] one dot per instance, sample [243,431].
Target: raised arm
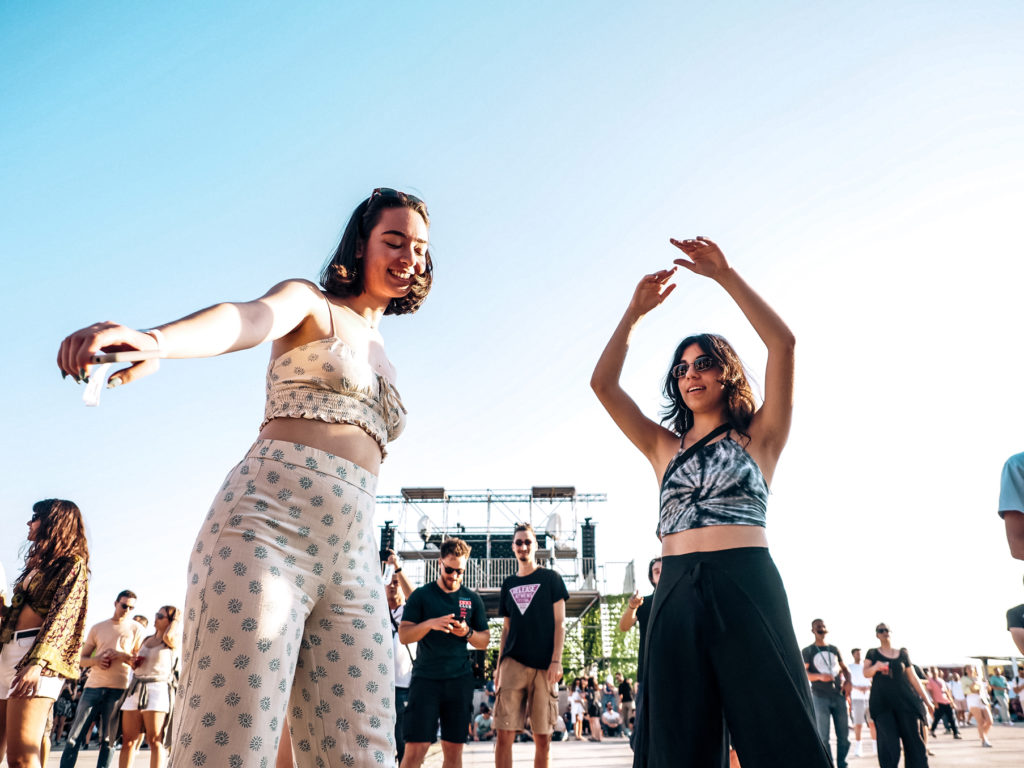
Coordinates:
[224,327]
[770,427]
[628,618]
[653,440]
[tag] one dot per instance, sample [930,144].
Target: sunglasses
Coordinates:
[881,630]
[523,543]
[395,194]
[701,364]
[449,570]
[161,615]
[127,607]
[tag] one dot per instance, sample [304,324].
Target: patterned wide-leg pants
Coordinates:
[286,614]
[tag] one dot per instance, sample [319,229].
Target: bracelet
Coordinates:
[398,570]
[158,336]
[555,661]
[469,634]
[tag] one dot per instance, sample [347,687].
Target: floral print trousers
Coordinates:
[286,614]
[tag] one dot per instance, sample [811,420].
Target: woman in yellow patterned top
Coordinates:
[41,632]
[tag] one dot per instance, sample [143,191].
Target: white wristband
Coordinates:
[158,336]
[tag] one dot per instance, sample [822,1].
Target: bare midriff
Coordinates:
[28,619]
[712,538]
[346,441]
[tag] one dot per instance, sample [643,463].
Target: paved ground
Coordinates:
[1008,750]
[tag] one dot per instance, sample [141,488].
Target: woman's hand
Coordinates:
[651,291]
[706,258]
[26,682]
[77,349]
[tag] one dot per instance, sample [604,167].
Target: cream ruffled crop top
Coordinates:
[324,380]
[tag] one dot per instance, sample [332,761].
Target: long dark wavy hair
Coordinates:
[740,405]
[341,275]
[61,535]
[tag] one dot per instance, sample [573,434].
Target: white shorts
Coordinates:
[13,652]
[974,701]
[158,699]
[861,714]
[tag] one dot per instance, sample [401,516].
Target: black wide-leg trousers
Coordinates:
[722,661]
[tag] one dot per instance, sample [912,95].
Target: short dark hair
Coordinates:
[126,593]
[855,650]
[455,546]
[650,569]
[341,275]
[817,621]
[520,527]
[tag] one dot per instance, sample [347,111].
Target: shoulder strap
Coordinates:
[330,313]
[719,430]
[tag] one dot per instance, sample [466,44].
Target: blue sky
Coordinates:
[860,166]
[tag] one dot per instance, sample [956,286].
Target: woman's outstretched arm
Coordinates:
[770,427]
[654,441]
[224,327]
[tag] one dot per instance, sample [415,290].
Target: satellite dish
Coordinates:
[553,528]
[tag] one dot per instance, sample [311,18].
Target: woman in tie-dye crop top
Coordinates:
[284,580]
[720,600]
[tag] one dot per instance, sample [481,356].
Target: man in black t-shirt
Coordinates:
[530,660]
[824,665]
[441,617]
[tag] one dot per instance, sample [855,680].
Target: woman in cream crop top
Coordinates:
[301,519]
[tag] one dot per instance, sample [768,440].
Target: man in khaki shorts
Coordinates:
[530,657]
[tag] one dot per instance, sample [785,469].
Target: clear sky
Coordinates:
[861,165]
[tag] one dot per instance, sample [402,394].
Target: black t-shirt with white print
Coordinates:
[529,602]
[823,659]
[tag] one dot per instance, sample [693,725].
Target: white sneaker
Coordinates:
[857,749]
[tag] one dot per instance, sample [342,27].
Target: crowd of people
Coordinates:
[286,615]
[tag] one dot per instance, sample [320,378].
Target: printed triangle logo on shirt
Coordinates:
[523,595]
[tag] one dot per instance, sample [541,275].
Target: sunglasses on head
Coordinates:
[701,364]
[449,570]
[394,194]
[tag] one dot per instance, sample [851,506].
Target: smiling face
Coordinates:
[702,391]
[393,254]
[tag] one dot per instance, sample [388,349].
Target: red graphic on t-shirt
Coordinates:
[523,595]
[464,608]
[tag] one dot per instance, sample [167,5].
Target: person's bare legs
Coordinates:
[1018,637]
[452,754]
[415,753]
[503,749]
[595,728]
[542,750]
[131,737]
[24,728]
[577,728]
[153,722]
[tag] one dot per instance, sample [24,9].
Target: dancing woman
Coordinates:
[720,600]
[149,703]
[285,610]
[41,633]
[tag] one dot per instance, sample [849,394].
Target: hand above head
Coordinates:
[706,258]
[78,348]
[651,291]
